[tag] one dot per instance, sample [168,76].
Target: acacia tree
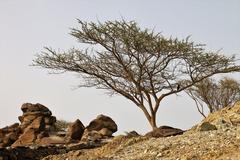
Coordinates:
[139,64]
[216,95]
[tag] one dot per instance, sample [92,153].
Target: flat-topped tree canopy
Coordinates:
[139,64]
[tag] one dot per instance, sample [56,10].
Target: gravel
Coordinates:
[216,144]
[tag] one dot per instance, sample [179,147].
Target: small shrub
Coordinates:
[61,125]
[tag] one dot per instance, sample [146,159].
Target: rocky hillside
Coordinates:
[216,137]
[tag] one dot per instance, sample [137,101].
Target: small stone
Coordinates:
[145,151]
[159,154]
[77,153]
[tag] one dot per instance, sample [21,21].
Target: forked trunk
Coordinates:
[150,117]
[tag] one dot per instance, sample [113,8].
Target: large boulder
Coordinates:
[101,122]
[30,108]
[37,123]
[100,128]
[75,130]
[36,113]
[164,131]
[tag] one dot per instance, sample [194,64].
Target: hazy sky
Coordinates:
[27,26]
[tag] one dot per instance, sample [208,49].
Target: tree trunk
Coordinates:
[153,122]
[151,118]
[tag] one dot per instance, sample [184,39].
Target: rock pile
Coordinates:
[37,116]
[37,122]
[37,128]
[37,135]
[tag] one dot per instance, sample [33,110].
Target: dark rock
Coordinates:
[101,122]
[29,107]
[100,128]
[132,134]
[75,130]
[26,153]
[13,136]
[38,113]
[37,153]
[13,127]
[164,131]
[9,135]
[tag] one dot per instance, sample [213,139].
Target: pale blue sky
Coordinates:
[27,26]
